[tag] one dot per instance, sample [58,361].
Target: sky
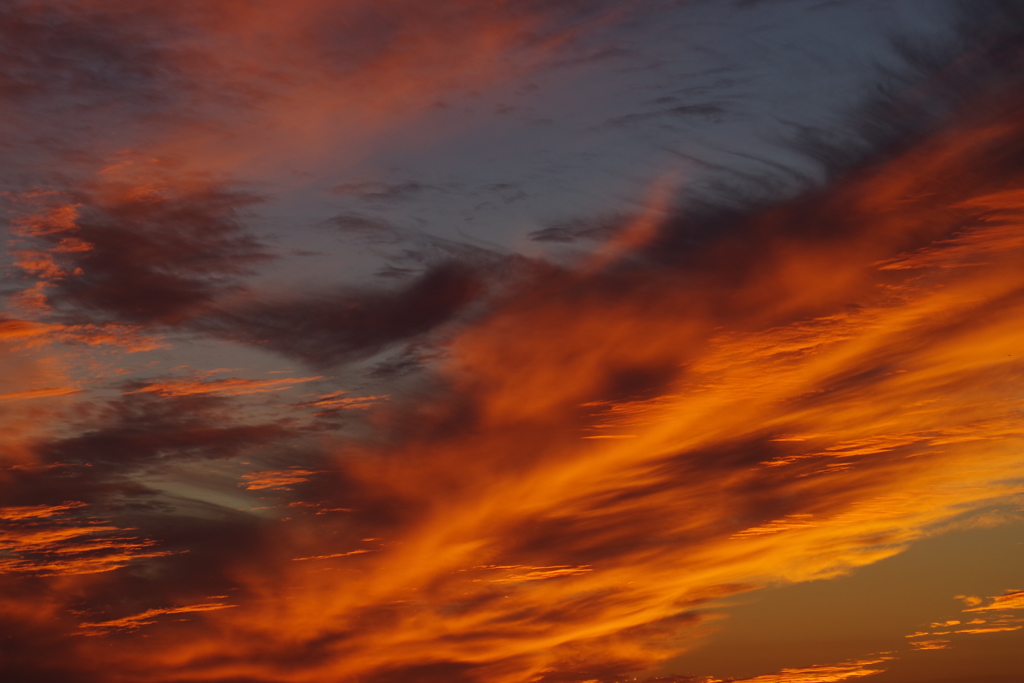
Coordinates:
[512,341]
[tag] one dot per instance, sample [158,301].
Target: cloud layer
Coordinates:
[496,468]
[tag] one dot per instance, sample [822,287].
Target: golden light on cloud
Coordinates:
[37,540]
[38,393]
[275,479]
[824,673]
[1012,599]
[638,532]
[232,386]
[145,618]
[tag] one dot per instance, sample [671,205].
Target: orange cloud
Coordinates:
[63,546]
[797,521]
[1013,599]
[231,386]
[122,337]
[35,388]
[34,511]
[811,412]
[1002,623]
[536,573]
[808,394]
[135,621]
[338,401]
[38,393]
[275,479]
[823,673]
[11,329]
[331,556]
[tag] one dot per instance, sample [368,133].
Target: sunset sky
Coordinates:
[512,341]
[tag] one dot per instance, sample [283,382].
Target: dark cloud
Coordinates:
[437,281]
[23,649]
[387,28]
[609,53]
[83,511]
[372,229]
[714,113]
[149,254]
[507,192]
[939,88]
[382,192]
[145,430]
[351,324]
[79,513]
[104,449]
[580,229]
[83,79]
[76,54]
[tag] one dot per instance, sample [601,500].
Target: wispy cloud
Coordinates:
[41,540]
[275,479]
[824,673]
[230,386]
[1012,599]
[156,250]
[135,621]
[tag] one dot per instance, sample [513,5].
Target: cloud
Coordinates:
[84,56]
[999,623]
[739,400]
[374,229]
[378,191]
[12,329]
[38,393]
[36,385]
[275,479]
[331,556]
[28,333]
[486,466]
[819,673]
[230,386]
[118,454]
[796,408]
[770,365]
[580,229]
[42,540]
[712,111]
[145,254]
[34,511]
[335,401]
[797,521]
[328,328]
[134,621]
[83,78]
[824,673]
[1013,599]
[535,573]
[940,624]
